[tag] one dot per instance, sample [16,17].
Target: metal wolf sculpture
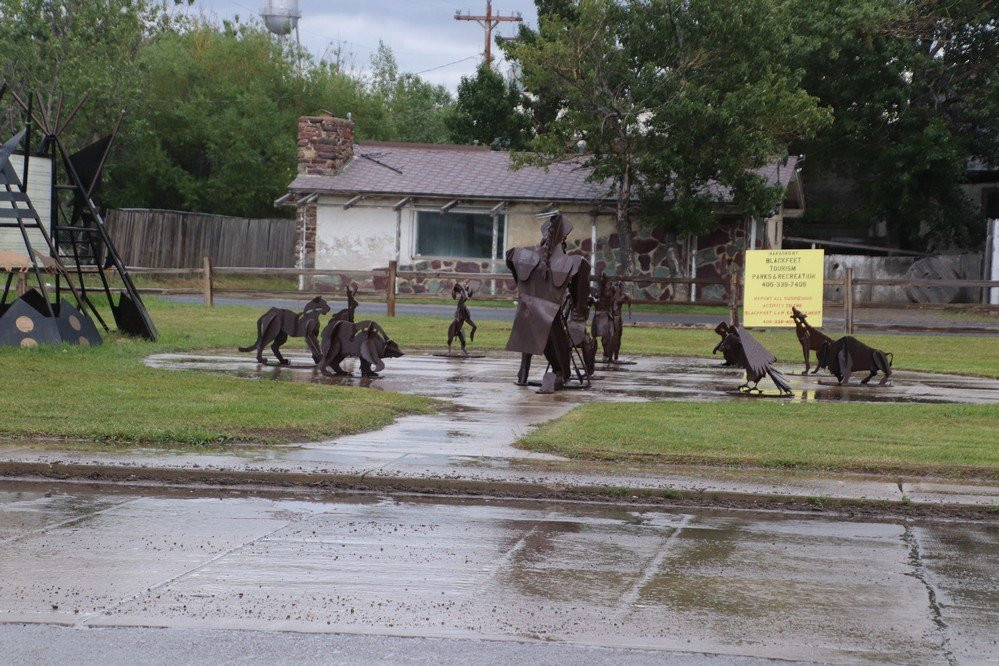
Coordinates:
[811,338]
[277,325]
[364,340]
[608,321]
[753,357]
[544,276]
[848,354]
[462,292]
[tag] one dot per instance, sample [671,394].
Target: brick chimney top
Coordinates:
[325,144]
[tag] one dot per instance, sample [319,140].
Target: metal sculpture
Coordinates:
[753,357]
[544,276]
[275,326]
[848,353]
[608,320]
[811,338]
[462,292]
[365,340]
[347,314]
[583,345]
[33,318]
[728,351]
[78,230]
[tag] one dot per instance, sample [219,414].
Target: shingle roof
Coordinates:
[469,172]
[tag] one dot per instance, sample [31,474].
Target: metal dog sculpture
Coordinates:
[811,339]
[608,321]
[347,314]
[277,325]
[752,357]
[364,340]
[727,351]
[848,354]
[462,292]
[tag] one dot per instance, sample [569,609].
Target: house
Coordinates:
[447,207]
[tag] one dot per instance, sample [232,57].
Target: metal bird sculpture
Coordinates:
[753,357]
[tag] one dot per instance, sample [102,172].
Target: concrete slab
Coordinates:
[714,582]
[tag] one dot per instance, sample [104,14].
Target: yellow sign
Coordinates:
[777,280]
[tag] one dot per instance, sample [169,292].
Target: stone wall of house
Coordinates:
[655,256]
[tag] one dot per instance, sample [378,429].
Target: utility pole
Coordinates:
[488,22]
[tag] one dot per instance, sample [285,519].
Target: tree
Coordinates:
[668,96]
[487,112]
[78,47]
[914,86]
[416,110]
[213,129]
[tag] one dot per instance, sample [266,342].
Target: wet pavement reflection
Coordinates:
[766,585]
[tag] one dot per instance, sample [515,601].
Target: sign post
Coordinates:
[777,280]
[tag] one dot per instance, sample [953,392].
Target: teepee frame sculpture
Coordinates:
[77,227]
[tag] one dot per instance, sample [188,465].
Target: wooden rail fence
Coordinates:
[208,273]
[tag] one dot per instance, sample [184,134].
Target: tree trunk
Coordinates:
[626,253]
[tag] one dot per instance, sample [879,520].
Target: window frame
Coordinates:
[501,240]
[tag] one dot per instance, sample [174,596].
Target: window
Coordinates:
[465,235]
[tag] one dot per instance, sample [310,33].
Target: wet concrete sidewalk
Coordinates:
[472,442]
[552,574]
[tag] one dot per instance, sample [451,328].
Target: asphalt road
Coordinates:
[485,580]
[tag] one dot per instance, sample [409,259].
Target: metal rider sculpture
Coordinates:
[544,276]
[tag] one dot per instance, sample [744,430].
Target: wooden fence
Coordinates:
[390,276]
[173,239]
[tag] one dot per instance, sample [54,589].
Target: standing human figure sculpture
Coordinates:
[347,314]
[462,292]
[608,320]
[544,276]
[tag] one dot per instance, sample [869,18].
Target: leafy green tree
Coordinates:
[487,112]
[415,109]
[668,96]
[78,47]
[914,86]
[213,129]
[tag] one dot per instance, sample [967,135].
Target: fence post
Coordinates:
[733,295]
[209,292]
[393,268]
[848,299]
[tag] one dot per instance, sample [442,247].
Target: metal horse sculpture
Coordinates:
[811,338]
[848,354]
[462,292]
[544,276]
[608,321]
[752,357]
[277,325]
[365,340]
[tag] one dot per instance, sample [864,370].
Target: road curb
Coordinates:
[454,486]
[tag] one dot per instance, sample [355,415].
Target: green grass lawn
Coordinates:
[948,440]
[107,394]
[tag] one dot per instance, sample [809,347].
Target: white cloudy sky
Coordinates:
[422,33]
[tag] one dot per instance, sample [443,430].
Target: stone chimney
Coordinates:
[325,145]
